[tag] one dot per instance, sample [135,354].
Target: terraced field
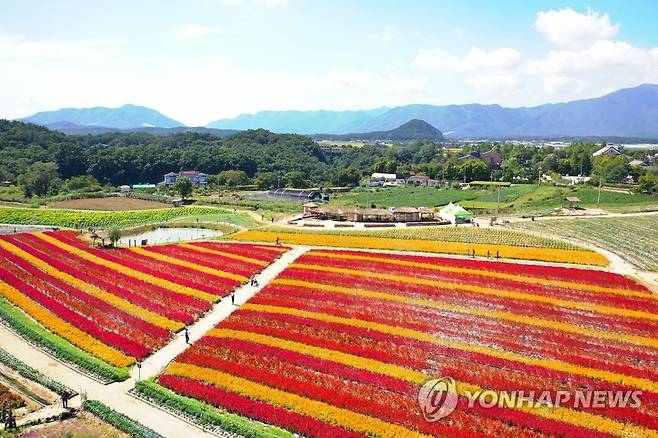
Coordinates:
[634,238]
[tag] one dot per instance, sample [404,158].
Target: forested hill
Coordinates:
[412,130]
[125,158]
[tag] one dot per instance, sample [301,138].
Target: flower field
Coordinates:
[514,249]
[340,343]
[120,306]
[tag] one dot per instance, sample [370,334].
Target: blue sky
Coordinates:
[202,60]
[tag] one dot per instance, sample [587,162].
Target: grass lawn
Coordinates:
[634,238]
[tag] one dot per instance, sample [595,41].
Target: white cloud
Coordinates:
[389,33]
[569,28]
[193,31]
[476,58]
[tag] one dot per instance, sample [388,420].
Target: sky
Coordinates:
[201,60]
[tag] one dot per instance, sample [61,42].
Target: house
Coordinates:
[609,149]
[636,163]
[380,179]
[422,180]
[197,178]
[455,213]
[406,214]
[124,189]
[492,158]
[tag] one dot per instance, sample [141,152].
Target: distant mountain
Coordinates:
[73,129]
[631,112]
[124,117]
[412,130]
[300,122]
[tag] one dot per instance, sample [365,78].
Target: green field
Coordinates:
[634,238]
[517,198]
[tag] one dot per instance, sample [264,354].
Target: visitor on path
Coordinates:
[488,254]
[497,254]
[233,299]
[255,284]
[278,242]
[187,336]
[65,399]
[473,254]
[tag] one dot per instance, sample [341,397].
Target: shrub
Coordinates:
[120,421]
[31,374]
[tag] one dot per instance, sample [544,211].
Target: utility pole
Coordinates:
[598,200]
[498,201]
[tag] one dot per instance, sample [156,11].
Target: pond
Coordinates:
[167,235]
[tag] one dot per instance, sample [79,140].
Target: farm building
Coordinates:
[422,180]
[197,178]
[370,215]
[492,158]
[406,214]
[455,213]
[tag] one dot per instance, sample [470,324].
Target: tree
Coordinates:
[266,180]
[183,186]
[232,178]
[296,179]
[648,183]
[475,170]
[82,183]
[386,166]
[114,234]
[40,179]
[611,169]
[347,177]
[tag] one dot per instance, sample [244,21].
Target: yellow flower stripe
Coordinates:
[302,405]
[618,311]
[62,328]
[507,316]
[128,271]
[484,273]
[644,384]
[506,251]
[223,254]
[92,290]
[183,263]
[565,415]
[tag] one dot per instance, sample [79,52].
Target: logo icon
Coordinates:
[437,398]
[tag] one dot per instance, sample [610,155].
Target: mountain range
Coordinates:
[630,112]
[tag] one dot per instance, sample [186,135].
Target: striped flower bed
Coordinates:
[122,305]
[340,343]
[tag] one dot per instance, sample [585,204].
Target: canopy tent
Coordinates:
[455,213]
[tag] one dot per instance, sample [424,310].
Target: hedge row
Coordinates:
[31,374]
[120,421]
[33,332]
[205,414]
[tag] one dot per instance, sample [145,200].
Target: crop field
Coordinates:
[84,219]
[116,306]
[483,241]
[112,203]
[634,238]
[341,343]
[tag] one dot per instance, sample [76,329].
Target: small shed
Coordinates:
[310,209]
[455,213]
[573,201]
[406,214]
[124,189]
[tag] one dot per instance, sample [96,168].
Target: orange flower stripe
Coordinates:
[223,254]
[128,271]
[506,251]
[302,405]
[507,316]
[484,291]
[564,415]
[644,384]
[65,330]
[112,299]
[493,274]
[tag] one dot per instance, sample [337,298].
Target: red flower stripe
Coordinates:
[255,409]
[259,252]
[124,344]
[212,261]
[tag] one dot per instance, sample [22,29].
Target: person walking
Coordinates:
[187,336]
[233,299]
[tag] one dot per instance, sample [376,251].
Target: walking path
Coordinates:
[116,395]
